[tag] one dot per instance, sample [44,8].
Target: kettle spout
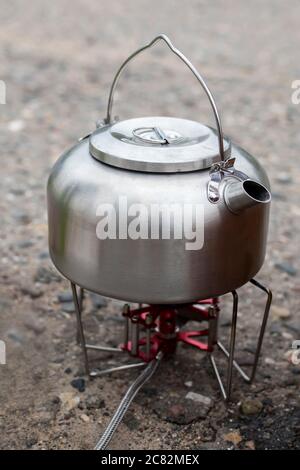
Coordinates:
[240,195]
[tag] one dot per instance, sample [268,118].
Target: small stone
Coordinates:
[79,384]
[150,392]
[234,437]
[181,411]
[294,326]
[43,255]
[198,398]
[188,384]
[276,327]
[97,300]
[35,326]
[25,244]
[269,361]
[287,335]
[46,275]
[69,401]
[65,296]
[44,417]
[245,359]
[68,370]
[94,403]
[251,406]
[58,360]
[17,191]
[279,313]
[131,421]
[287,268]
[32,291]
[68,307]
[289,355]
[15,336]
[21,216]
[278,196]
[284,178]
[31,441]
[84,418]
[16,126]
[250,445]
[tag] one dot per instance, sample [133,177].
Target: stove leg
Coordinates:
[226,393]
[263,326]
[217,374]
[250,378]
[232,344]
[80,327]
[80,301]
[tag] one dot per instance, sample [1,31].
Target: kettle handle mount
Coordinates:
[163,37]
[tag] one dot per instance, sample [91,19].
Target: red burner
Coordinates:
[162,319]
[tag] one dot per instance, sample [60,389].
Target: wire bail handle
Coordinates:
[163,37]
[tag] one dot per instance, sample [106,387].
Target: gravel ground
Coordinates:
[58,60]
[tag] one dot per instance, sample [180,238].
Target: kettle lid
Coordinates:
[157,144]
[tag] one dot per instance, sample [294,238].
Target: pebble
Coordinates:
[287,268]
[94,403]
[17,191]
[21,216]
[198,398]
[234,437]
[32,291]
[250,445]
[180,410]
[287,335]
[44,417]
[276,327]
[69,401]
[289,355]
[84,418]
[65,296]
[97,300]
[188,384]
[131,421]
[25,244]
[68,307]
[46,275]
[15,336]
[279,313]
[284,178]
[31,441]
[278,196]
[16,125]
[79,384]
[294,326]
[36,326]
[269,361]
[251,406]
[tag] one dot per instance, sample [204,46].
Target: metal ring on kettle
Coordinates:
[163,37]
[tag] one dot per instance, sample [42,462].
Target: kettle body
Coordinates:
[128,168]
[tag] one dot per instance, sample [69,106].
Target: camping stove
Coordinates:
[158,163]
[152,332]
[153,329]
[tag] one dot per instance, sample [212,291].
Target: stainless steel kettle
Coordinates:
[158,161]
